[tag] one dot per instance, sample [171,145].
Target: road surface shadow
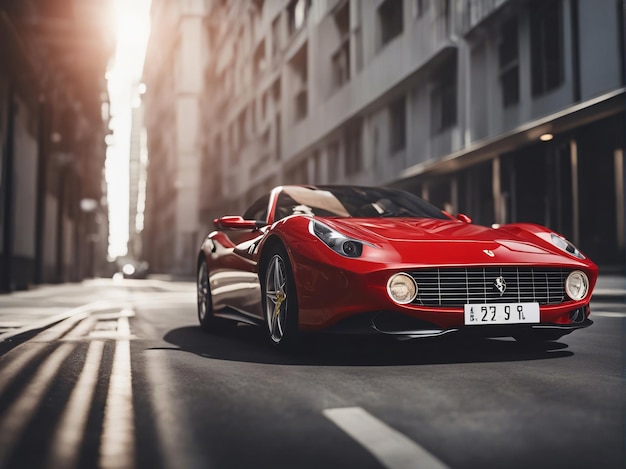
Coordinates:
[249,344]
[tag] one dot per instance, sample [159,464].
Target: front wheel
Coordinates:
[280,302]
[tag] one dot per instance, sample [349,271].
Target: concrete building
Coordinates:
[137,175]
[503,109]
[173,76]
[53,225]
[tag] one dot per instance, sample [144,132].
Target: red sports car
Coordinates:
[365,259]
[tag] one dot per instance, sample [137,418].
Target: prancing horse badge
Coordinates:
[500,285]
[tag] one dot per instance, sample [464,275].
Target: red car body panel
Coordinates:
[331,288]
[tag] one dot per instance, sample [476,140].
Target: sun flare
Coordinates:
[132,28]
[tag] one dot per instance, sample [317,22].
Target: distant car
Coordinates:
[365,259]
[138,270]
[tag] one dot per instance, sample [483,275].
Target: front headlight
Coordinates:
[338,242]
[577,285]
[566,246]
[402,288]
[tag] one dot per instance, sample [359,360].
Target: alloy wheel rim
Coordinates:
[276,298]
[203,290]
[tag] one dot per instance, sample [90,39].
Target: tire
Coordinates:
[280,302]
[208,321]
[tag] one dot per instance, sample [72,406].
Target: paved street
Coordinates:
[124,377]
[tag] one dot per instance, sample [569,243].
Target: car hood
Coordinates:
[413,229]
[433,241]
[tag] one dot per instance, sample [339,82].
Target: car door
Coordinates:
[232,273]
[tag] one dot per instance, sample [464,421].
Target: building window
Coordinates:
[508,55]
[341,65]
[276,37]
[301,105]
[419,8]
[333,161]
[442,18]
[353,147]
[390,17]
[259,59]
[317,167]
[297,12]
[274,97]
[443,97]
[397,122]
[357,36]
[277,121]
[264,145]
[299,69]
[546,46]
[358,49]
[341,58]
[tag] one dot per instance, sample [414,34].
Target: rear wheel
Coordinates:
[207,320]
[280,303]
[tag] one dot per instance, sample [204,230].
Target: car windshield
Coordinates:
[350,201]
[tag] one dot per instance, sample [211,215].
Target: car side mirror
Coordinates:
[236,223]
[464,218]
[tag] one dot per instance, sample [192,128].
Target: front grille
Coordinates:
[454,287]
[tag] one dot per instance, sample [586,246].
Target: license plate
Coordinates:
[501,313]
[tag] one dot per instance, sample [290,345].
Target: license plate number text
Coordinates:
[501,313]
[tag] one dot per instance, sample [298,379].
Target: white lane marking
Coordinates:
[128,312]
[608,314]
[74,315]
[65,448]
[123,326]
[390,447]
[61,329]
[117,444]
[82,329]
[118,328]
[18,362]
[21,412]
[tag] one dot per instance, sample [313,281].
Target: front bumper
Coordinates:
[404,327]
[485,331]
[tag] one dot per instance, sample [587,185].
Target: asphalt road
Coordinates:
[128,379]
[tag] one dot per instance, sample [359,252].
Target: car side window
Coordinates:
[258,210]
